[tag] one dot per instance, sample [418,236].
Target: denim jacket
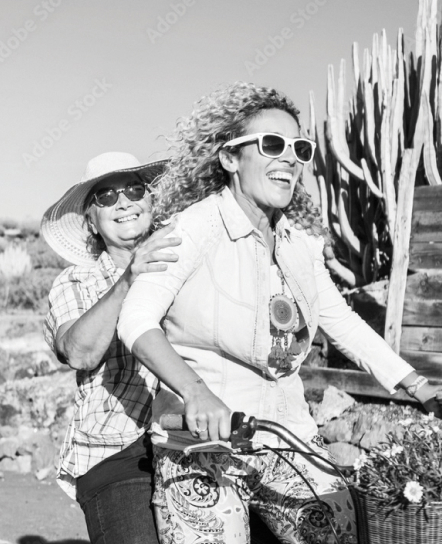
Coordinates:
[213,305]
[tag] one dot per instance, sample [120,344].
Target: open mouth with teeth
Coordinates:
[280,176]
[132,217]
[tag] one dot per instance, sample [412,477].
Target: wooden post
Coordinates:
[401,242]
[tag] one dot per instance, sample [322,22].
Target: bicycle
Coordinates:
[243,429]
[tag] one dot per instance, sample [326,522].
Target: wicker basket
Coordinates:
[414,525]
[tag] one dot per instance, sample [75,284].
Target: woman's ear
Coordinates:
[92,228]
[228,161]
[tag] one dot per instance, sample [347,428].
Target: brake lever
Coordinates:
[243,429]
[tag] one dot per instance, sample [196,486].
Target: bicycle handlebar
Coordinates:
[243,430]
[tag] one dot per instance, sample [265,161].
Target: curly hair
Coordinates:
[195,171]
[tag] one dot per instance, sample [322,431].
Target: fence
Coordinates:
[414,320]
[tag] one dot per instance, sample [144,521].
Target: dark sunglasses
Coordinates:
[274,145]
[108,196]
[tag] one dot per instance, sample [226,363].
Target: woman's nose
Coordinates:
[288,156]
[123,202]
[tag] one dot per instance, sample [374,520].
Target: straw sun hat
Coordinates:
[63,225]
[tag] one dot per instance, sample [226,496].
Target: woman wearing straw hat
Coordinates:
[98,225]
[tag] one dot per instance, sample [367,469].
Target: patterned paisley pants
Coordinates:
[205,498]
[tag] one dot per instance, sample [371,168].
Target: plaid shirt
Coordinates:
[112,405]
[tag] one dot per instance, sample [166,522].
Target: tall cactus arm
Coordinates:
[348,276]
[333,134]
[340,104]
[430,162]
[369,119]
[420,27]
[319,161]
[323,199]
[369,181]
[355,59]
[387,178]
[438,106]
[397,105]
[349,237]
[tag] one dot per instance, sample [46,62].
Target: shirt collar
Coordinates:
[238,225]
[282,225]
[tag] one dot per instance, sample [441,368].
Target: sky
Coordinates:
[83,77]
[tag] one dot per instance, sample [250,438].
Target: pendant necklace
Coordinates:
[284,320]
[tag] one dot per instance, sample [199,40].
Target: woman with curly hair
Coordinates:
[239,310]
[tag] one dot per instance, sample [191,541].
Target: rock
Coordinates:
[337,430]
[9,447]
[38,401]
[334,403]
[21,464]
[344,454]
[43,473]
[361,426]
[7,431]
[7,413]
[378,434]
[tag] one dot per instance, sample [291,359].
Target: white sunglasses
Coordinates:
[274,145]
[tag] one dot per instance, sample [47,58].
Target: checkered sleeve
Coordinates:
[69,298]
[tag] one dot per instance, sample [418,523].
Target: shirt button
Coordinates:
[287,274]
[280,408]
[310,324]
[272,384]
[299,298]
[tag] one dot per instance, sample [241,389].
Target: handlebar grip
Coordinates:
[173,422]
[177,422]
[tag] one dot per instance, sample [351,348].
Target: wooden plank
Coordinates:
[401,241]
[354,382]
[425,255]
[422,339]
[427,363]
[423,313]
[427,199]
[426,226]
[424,286]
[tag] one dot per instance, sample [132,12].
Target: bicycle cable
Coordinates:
[318,500]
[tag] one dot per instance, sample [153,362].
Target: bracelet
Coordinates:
[417,384]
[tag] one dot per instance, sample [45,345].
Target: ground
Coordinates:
[33,512]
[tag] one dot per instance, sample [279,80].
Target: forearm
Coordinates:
[424,393]
[206,415]
[155,352]
[85,343]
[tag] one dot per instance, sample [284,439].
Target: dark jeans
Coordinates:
[121,514]
[116,494]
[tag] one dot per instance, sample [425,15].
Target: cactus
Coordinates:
[15,262]
[396,104]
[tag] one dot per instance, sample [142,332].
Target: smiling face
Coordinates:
[265,182]
[121,224]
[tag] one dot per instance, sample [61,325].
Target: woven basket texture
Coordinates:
[414,525]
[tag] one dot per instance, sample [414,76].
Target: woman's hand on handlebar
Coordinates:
[434,403]
[207,417]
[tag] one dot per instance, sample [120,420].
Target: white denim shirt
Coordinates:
[213,305]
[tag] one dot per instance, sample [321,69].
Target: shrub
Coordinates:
[15,262]
[406,469]
[44,256]
[31,292]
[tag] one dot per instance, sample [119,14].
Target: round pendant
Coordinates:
[283,313]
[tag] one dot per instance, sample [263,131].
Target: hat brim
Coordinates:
[63,225]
